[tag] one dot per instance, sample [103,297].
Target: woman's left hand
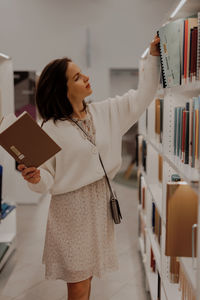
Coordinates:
[154,46]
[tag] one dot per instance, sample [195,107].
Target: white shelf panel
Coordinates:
[11,248]
[156,192]
[171,290]
[191,273]
[153,283]
[188,174]
[156,249]
[8,227]
[189,87]
[155,144]
[142,213]
[141,247]
[7,237]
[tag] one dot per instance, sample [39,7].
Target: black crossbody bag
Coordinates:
[114,204]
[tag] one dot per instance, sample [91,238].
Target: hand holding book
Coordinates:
[30,174]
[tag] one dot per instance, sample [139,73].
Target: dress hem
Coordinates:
[93,273]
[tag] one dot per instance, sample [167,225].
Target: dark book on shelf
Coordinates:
[159,287]
[160,168]
[6,209]
[153,217]
[3,249]
[153,261]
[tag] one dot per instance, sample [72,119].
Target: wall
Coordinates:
[34,32]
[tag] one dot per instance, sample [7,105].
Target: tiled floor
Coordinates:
[23,276]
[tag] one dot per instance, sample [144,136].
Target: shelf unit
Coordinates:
[8,224]
[156,191]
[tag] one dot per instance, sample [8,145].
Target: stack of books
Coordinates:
[187,132]
[180,51]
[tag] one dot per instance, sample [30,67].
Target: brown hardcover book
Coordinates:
[157,223]
[157,116]
[181,214]
[26,141]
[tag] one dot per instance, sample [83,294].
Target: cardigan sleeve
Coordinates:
[48,168]
[129,107]
[47,173]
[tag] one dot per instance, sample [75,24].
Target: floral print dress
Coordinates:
[80,239]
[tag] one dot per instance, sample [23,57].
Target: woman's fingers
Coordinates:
[32,174]
[21,167]
[28,170]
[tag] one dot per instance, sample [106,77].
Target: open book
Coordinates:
[26,141]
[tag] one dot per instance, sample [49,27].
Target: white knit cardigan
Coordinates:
[78,164]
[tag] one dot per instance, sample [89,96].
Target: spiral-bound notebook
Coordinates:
[26,141]
[170,53]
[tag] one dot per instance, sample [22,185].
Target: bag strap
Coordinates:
[109,185]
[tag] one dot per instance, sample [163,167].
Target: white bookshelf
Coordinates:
[8,224]
[156,191]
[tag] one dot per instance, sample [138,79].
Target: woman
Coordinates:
[80,239]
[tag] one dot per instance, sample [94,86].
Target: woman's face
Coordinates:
[78,83]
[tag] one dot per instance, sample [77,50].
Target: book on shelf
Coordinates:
[159,119]
[142,191]
[181,214]
[26,141]
[187,132]
[160,168]
[6,208]
[3,249]
[153,217]
[198,48]
[139,139]
[144,154]
[141,151]
[152,261]
[187,290]
[158,226]
[179,51]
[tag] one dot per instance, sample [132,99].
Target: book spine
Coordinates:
[161,120]
[185,49]
[191,57]
[195,53]
[190,131]
[196,135]
[187,138]
[193,140]
[183,135]
[198,50]
[175,129]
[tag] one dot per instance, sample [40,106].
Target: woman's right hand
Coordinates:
[30,174]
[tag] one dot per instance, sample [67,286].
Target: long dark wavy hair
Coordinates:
[51,92]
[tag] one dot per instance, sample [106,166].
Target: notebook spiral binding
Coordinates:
[162,67]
